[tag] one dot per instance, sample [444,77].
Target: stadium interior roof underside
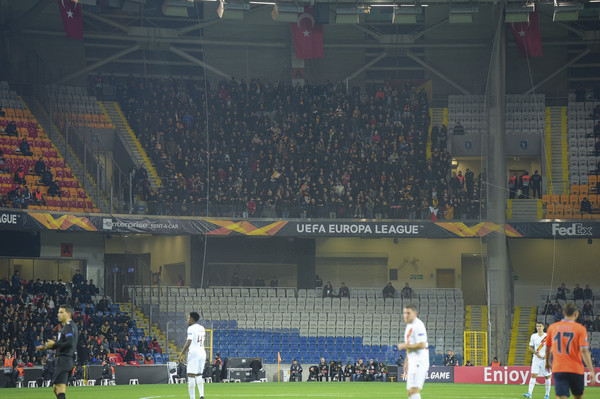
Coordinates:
[375,39]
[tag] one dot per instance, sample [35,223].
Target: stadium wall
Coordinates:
[533,260]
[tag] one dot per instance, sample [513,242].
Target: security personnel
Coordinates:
[65,350]
[525,185]
[512,186]
[295,371]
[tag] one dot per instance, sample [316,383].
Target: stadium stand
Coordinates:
[281,151]
[584,164]
[28,312]
[301,324]
[548,312]
[74,106]
[525,114]
[61,191]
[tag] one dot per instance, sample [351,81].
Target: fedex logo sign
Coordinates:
[576,229]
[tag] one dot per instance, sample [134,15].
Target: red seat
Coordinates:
[66,194]
[89,204]
[68,173]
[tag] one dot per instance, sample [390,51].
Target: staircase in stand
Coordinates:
[524,209]
[556,150]
[438,117]
[522,328]
[69,155]
[115,115]
[142,322]
[476,318]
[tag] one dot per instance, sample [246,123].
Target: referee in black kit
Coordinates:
[65,347]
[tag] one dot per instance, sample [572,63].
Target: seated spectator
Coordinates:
[558,315]
[562,292]
[130,354]
[459,129]
[548,308]
[54,190]
[38,197]
[343,292]
[259,282]
[450,360]
[389,291]
[597,324]
[25,148]
[235,279]
[588,293]
[102,304]
[274,283]
[588,323]
[495,362]
[587,309]
[40,167]
[469,364]
[3,167]
[19,177]
[11,129]
[406,292]
[47,177]
[148,360]
[318,281]
[15,197]
[577,292]
[26,195]
[247,282]
[328,290]
[143,346]
[586,205]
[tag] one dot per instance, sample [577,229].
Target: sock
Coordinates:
[531,385]
[192,387]
[415,396]
[60,396]
[200,383]
[548,385]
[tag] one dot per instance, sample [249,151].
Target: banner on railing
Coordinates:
[512,375]
[10,219]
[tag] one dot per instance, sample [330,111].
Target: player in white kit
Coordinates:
[537,346]
[196,355]
[417,352]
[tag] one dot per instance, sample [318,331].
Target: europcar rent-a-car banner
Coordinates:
[512,375]
[29,220]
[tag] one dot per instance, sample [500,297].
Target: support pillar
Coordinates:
[499,283]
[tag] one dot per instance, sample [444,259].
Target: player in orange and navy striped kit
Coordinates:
[568,343]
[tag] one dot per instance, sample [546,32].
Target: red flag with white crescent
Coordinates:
[308,36]
[70,11]
[528,37]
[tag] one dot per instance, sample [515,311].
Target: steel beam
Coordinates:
[198,62]
[98,64]
[367,66]
[557,71]
[107,21]
[436,72]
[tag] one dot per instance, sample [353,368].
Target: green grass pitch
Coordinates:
[323,390]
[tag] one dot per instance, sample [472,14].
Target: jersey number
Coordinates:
[558,339]
[199,340]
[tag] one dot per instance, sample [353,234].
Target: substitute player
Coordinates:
[65,347]
[537,346]
[417,352]
[567,344]
[196,355]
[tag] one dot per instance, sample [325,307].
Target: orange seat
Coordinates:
[592,180]
[564,199]
[583,189]
[555,199]
[568,212]
[559,211]
[546,199]
[575,189]
[574,199]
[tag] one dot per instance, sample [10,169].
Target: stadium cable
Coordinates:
[201,36]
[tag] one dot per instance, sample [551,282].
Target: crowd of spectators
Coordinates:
[587,317]
[336,371]
[278,150]
[28,317]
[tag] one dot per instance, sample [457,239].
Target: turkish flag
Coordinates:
[528,37]
[308,36]
[70,12]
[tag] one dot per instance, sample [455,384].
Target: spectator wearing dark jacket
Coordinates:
[40,167]
[25,148]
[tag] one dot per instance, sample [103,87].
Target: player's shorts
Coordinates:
[538,366]
[195,361]
[416,376]
[62,371]
[565,381]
